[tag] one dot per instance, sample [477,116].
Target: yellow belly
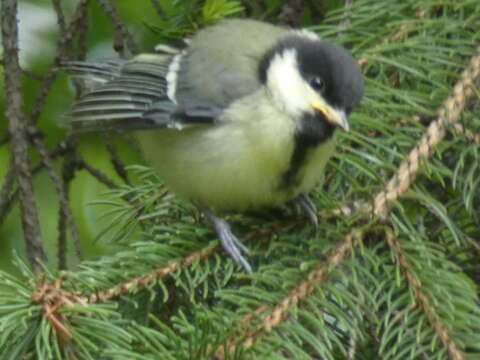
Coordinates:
[230,169]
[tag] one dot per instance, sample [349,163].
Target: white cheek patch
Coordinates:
[290,92]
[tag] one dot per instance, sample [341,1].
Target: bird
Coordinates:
[241,116]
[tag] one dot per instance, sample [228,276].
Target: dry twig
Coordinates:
[18,131]
[122,35]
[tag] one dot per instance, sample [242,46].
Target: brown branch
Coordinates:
[63,45]
[79,15]
[7,201]
[160,273]
[57,6]
[62,221]
[4,140]
[33,75]
[122,35]
[158,8]
[28,73]
[144,281]
[270,321]
[51,297]
[448,115]
[66,220]
[281,311]
[6,192]
[352,348]
[117,163]
[61,190]
[82,164]
[347,210]
[82,33]
[422,298]
[18,132]
[42,95]
[469,135]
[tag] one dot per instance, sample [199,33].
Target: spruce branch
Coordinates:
[279,314]
[461,91]
[144,281]
[448,114]
[422,298]
[51,297]
[399,298]
[469,135]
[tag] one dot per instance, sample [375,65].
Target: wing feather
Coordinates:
[134,95]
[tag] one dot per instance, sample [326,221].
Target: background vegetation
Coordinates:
[131,272]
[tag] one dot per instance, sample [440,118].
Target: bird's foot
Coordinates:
[302,203]
[229,241]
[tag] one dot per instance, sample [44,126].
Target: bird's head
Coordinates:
[309,77]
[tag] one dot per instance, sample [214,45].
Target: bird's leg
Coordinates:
[229,241]
[302,203]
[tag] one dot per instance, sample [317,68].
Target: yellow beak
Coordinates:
[333,116]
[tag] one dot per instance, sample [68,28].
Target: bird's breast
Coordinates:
[312,147]
[306,167]
[242,162]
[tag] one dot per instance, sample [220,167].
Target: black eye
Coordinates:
[317,83]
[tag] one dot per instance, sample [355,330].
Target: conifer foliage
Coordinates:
[391,273]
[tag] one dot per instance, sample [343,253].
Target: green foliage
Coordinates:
[182,18]
[366,305]
[215,10]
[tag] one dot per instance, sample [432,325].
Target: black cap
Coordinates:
[339,71]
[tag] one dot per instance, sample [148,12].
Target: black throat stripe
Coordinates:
[313,130]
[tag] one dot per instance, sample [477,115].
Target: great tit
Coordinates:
[242,116]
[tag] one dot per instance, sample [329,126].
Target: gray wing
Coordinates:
[223,59]
[211,74]
[132,95]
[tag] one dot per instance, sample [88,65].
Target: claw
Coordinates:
[229,241]
[304,203]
